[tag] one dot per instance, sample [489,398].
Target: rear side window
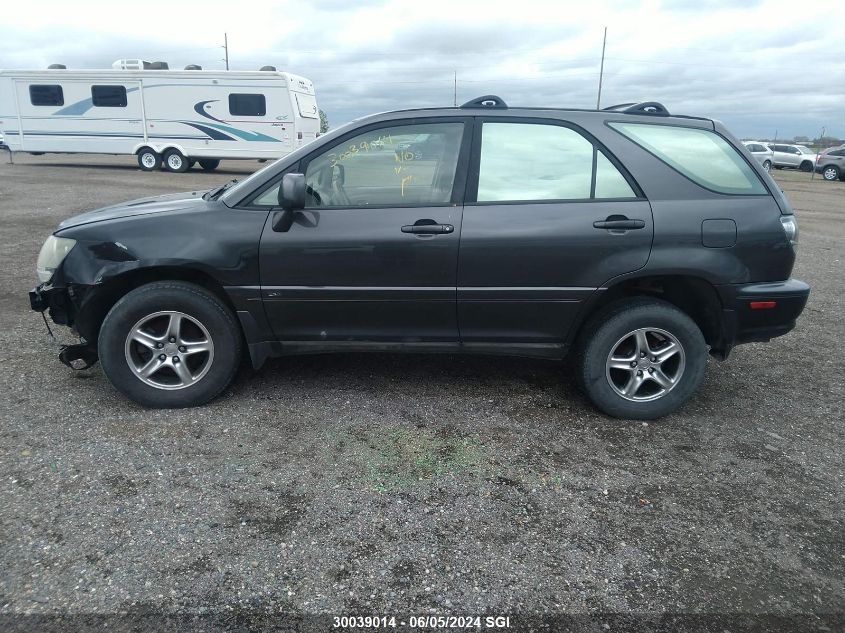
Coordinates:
[701,155]
[108,96]
[247,105]
[46,96]
[530,161]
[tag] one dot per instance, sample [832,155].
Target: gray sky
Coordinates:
[758,65]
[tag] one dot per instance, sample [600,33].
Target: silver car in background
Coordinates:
[793,156]
[831,163]
[761,152]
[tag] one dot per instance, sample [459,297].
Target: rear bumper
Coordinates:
[759,312]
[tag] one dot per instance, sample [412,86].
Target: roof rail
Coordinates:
[653,108]
[619,106]
[491,102]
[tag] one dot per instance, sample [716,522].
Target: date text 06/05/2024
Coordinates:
[422,622]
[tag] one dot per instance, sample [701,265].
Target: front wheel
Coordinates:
[767,165]
[148,159]
[643,359]
[170,344]
[831,173]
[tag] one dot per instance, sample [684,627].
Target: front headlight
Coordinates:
[52,254]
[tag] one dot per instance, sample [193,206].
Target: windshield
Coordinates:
[252,178]
[243,187]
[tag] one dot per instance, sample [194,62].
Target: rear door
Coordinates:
[550,217]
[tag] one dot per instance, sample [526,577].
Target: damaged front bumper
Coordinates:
[60,302]
[57,300]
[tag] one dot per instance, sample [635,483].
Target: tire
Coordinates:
[175,161]
[767,165]
[806,166]
[149,310]
[611,332]
[209,164]
[831,172]
[148,159]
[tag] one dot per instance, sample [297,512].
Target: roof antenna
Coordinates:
[601,70]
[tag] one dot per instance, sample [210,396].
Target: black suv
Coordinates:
[626,239]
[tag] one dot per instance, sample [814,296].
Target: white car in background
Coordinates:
[793,156]
[761,152]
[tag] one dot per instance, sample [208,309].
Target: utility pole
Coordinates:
[601,69]
[455,99]
[816,162]
[225,47]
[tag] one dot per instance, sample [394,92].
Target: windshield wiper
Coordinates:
[215,193]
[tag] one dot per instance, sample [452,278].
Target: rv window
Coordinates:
[307,106]
[108,96]
[46,96]
[247,105]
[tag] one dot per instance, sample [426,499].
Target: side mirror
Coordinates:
[292,192]
[291,200]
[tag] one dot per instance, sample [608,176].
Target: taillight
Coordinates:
[790,228]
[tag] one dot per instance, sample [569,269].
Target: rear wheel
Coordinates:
[170,344]
[209,164]
[831,172]
[175,161]
[806,166]
[643,359]
[148,159]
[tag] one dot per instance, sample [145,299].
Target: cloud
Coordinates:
[756,66]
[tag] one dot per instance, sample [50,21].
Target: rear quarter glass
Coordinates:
[701,155]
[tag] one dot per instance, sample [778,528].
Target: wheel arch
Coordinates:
[695,296]
[95,308]
[159,148]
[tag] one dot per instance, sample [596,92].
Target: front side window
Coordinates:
[701,155]
[537,162]
[108,96]
[46,96]
[247,105]
[401,165]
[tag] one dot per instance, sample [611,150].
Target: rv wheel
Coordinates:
[209,164]
[148,160]
[174,160]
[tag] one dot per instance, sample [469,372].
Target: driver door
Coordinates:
[373,256]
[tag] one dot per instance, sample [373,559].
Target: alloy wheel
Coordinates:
[169,350]
[645,364]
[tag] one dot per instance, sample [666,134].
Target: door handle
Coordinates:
[619,223]
[428,229]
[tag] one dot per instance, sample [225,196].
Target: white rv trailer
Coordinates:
[166,117]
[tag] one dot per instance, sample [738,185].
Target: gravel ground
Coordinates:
[415,484]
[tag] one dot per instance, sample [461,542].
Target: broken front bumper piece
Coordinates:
[57,300]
